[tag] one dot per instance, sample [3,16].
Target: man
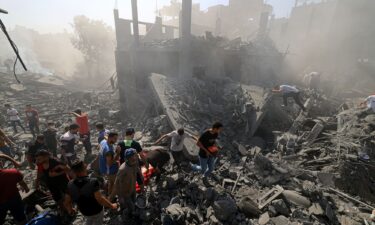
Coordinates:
[313,80]
[288,91]
[33,149]
[5,143]
[85,192]
[107,164]
[157,158]
[84,131]
[32,118]
[68,142]
[102,132]
[55,175]
[125,182]
[177,143]
[50,138]
[14,118]
[129,142]
[10,199]
[208,150]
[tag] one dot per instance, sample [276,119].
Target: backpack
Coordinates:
[45,218]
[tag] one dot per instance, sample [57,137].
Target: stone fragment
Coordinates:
[225,209]
[249,207]
[264,219]
[296,198]
[281,207]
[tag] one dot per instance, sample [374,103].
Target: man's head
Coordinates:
[130,132]
[79,168]
[28,106]
[42,156]
[277,87]
[99,126]
[181,131]
[112,137]
[78,111]
[40,138]
[73,128]
[131,156]
[217,127]
[7,106]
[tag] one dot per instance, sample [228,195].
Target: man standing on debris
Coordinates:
[313,80]
[288,91]
[32,118]
[129,142]
[33,149]
[68,142]
[5,143]
[107,164]
[10,198]
[208,150]
[157,159]
[84,131]
[50,138]
[55,174]
[14,118]
[125,183]
[85,192]
[177,144]
[102,132]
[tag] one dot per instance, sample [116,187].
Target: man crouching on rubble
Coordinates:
[288,91]
[125,183]
[208,150]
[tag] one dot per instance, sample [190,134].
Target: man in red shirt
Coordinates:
[82,120]
[10,198]
[32,118]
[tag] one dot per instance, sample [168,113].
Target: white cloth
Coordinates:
[177,143]
[286,89]
[371,102]
[13,114]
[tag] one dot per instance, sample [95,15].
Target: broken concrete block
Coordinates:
[264,219]
[249,208]
[316,209]
[176,212]
[296,198]
[280,220]
[281,207]
[225,209]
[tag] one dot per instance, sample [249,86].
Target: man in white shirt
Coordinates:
[177,143]
[369,103]
[14,118]
[312,80]
[288,91]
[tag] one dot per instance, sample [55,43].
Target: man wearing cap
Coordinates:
[125,182]
[84,131]
[85,192]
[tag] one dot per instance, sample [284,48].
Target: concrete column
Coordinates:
[185,37]
[135,22]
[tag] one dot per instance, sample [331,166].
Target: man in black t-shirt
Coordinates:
[157,158]
[129,142]
[208,149]
[33,149]
[55,175]
[85,192]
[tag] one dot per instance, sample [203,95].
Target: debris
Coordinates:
[296,199]
[270,196]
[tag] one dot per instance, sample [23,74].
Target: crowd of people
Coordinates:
[110,180]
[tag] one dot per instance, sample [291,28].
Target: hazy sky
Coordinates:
[56,15]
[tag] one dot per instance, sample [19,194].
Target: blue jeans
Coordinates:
[207,165]
[6,150]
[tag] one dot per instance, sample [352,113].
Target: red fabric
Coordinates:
[9,179]
[40,168]
[146,177]
[83,122]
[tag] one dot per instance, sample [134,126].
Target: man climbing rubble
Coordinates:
[177,144]
[50,138]
[84,131]
[14,118]
[68,142]
[33,149]
[85,192]
[125,183]
[157,159]
[288,91]
[208,150]
[108,165]
[5,143]
[10,198]
[32,119]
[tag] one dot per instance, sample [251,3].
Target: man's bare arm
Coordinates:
[15,163]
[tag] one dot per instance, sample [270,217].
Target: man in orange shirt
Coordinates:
[82,120]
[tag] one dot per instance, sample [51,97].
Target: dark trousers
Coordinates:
[127,205]
[34,126]
[86,142]
[16,208]
[14,125]
[296,97]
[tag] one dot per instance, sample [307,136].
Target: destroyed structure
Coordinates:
[278,165]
